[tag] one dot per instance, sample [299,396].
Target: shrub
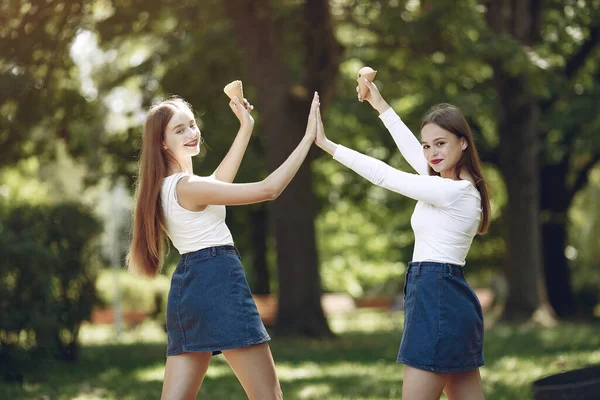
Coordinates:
[49,259]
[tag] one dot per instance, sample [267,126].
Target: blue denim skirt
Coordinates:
[443,321]
[210,307]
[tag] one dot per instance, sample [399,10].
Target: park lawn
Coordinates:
[358,364]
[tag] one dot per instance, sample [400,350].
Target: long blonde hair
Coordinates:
[147,249]
[449,118]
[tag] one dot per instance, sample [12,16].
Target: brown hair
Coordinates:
[449,118]
[147,249]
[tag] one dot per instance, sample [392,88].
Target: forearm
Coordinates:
[278,180]
[228,168]
[429,189]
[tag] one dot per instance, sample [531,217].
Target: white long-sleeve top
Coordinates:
[448,212]
[192,230]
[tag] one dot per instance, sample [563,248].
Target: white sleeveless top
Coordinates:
[192,230]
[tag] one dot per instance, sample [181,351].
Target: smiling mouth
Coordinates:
[193,143]
[436,161]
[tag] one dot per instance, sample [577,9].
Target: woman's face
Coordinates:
[182,135]
[442,149]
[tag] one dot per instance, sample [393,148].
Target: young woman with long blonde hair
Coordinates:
[210,308]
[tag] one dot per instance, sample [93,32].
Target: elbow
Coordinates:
[273,195]
[271,191]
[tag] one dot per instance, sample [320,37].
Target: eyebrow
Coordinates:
[437,138]
[180,125]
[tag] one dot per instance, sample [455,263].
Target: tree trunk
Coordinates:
[519,163]
[558,275]
[261,279]
[284,108]
[555,206]
[518,117]
[299,306]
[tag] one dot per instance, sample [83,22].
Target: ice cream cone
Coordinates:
[368,73]
[234,89]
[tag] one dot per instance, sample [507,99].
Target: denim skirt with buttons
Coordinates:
[443,321]
[210,306]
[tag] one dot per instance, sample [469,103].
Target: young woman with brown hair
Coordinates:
[442,341]
[210,308]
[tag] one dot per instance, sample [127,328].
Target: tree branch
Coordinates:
[59,43]
[583,175]
[495,15]
[578,59]
[575,63]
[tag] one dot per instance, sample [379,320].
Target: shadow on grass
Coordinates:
[527,341]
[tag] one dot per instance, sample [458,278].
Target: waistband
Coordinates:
[433,266]
[212,251]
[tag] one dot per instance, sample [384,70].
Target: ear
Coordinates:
[463,144]
[165,146]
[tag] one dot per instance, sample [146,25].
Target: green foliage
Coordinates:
[584,247]
[41,98]
[46,283]
[136,294]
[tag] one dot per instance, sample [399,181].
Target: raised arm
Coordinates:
[430,189]
[434,190]
[406,141]
[195,192]
[228,168]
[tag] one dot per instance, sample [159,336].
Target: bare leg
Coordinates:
[464,386]
[184,374]
[255,369]
[422,385]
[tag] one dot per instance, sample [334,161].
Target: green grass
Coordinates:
[359,364]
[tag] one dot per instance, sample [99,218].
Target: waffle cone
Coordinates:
[368,73]
[234,89]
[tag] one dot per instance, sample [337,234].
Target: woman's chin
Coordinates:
[193,151]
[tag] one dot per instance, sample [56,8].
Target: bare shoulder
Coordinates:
[189,188]
[188,181]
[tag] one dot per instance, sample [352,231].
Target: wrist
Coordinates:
[247,125]
[328,146]
[308,139]
[382,106]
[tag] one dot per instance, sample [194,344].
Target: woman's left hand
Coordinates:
[321,138]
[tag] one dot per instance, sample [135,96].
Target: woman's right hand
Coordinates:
[242,109]
[373,97]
